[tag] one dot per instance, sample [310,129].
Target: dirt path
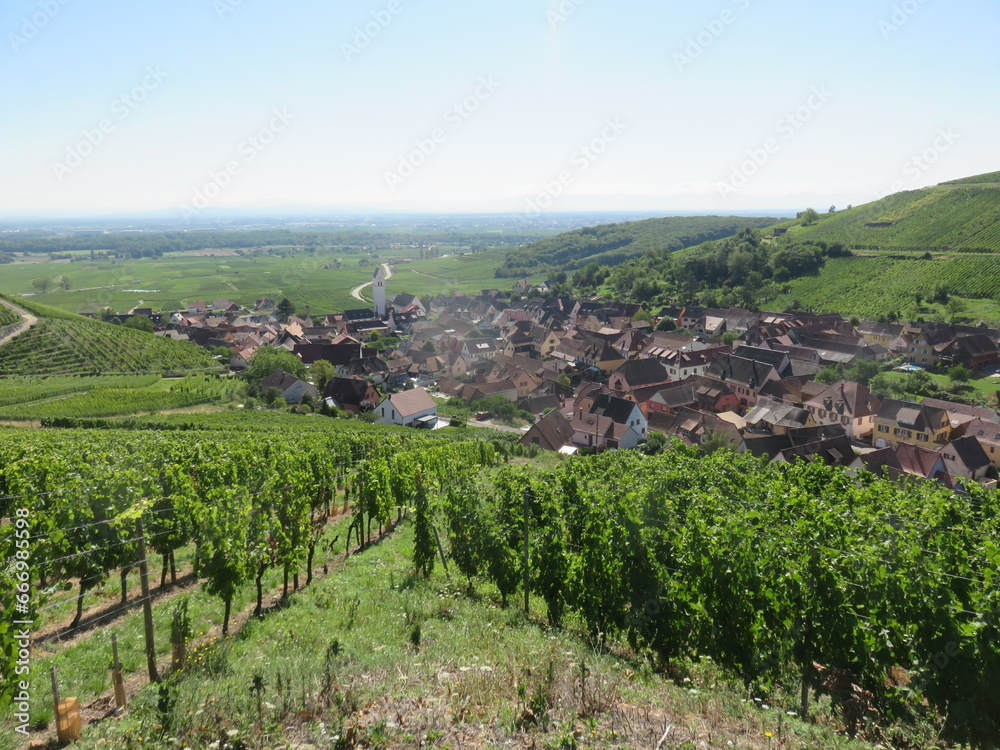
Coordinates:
[29,319]
[356,291]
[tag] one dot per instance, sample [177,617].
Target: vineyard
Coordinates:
[111,396]
[876,600]
[871,286]
[957,216]
[243,504]
[64,344]
[8,317]
[24,390]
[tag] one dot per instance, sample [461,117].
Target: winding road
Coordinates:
[29,320]
[356,291]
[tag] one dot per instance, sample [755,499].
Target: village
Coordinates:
[597,375]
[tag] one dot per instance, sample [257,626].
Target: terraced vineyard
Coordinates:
[62,344]
[871,286]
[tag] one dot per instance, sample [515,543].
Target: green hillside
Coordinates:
[64,343]
[611,244]
[962,215]
[872,286]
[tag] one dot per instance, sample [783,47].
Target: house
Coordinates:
[898,461]
[601,420]
[351,394]
[475,349]
[906,422]
[669,399]
[638,373]
[413,408]
[776,417]
[474,392]
[552,432]
[987,432]
[744,376]
[365,367]
[975,351]
[292,389]
[847,403]
[965,458]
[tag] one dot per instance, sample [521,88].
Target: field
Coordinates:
[317,283]
[870,286]
[65,344]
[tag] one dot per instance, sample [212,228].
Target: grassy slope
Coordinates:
[464,681]
[63,343]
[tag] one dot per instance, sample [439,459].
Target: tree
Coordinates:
[139,323]
[565,384]
[286,307]
[267,359]
[955,308]
[809,216]
[729,337]
[42,284]
[833,209]
[322,372]
[65,282]
[667,324]
[828,375]
[428,347]
[959,374]
[881,386]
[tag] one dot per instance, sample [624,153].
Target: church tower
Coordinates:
[378,291]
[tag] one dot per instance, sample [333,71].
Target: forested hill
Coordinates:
[962,215]
[612,244]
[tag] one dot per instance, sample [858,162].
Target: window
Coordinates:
[883,428]
[899,432]
[922,437]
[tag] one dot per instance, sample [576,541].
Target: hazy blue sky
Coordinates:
[519,105]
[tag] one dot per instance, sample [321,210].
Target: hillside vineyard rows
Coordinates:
[783,575]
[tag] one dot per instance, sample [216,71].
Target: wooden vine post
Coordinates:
[121,700]
[68,724]
[147,605]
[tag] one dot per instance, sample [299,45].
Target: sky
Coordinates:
[514,106]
